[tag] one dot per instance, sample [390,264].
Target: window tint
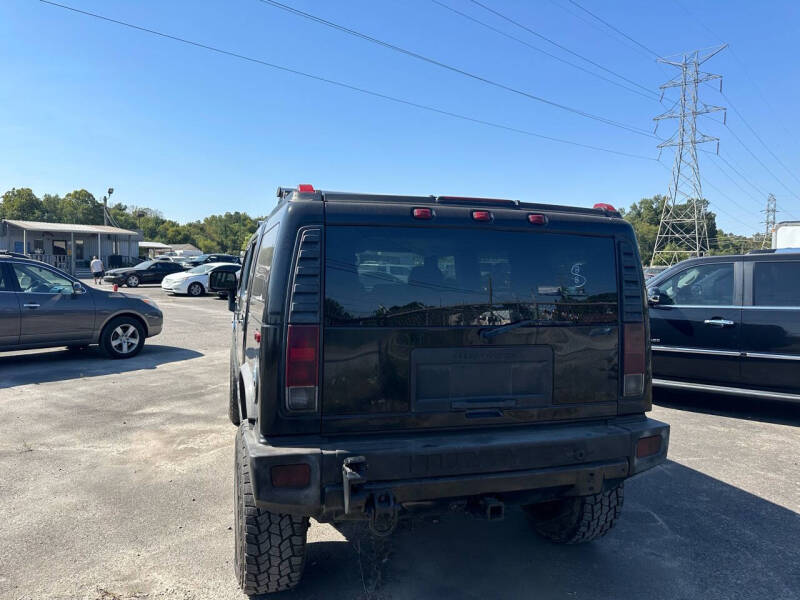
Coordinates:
[33,279]
[5,284]
[458,277]
[247,263]
[701,285]
[776,284]
[262,265]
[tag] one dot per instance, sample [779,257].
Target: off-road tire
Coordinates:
[270,547]
[233,392]
[132,281]
[578,519]
[195,289]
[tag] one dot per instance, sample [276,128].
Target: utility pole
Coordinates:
[770,217]
[682,231]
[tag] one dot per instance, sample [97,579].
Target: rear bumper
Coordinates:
[576,459]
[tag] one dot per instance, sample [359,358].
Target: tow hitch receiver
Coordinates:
[380,506]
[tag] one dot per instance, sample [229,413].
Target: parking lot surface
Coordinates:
[116,482]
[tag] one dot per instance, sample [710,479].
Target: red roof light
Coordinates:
[305,188]
[422,213]
[604,206]
[481,215]
[537,219]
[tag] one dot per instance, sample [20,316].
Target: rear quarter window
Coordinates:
[402,276]
[776,283]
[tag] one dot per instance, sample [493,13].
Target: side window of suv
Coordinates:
[262,266]
[776,284]
[701,285]
[247,263]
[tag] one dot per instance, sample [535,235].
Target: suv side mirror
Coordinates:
[653,296]
[77,288]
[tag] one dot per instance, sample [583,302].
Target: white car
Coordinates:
[194,282]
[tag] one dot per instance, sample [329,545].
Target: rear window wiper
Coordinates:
[487,333]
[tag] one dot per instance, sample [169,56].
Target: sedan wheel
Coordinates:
[123,337]
[132,281]
[195,289]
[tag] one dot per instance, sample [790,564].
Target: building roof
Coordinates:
[154,246]
[177,247]
[68,227]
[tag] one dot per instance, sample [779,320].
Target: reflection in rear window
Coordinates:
[424,277]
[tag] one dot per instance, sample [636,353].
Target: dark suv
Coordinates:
[729,325]
[393,354]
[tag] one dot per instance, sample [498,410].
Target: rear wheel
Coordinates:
[132,281]
[577,519]
[195,289]
[270,547]
[122,337]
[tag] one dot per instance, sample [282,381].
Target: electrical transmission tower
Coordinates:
[770,217]
[682,231]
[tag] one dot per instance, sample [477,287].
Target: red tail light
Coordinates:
[634,359]
[302,367]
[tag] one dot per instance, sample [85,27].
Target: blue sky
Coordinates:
[88,104]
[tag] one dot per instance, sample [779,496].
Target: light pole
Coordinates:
[105,205]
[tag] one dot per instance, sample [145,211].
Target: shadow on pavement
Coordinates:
[754,409]
[682,534]
[62,365]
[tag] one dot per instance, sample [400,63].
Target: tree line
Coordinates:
[227,232]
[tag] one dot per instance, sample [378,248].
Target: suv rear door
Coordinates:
[771,325]
[462,323]
[695,327]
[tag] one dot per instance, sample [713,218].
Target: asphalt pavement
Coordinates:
[116,482]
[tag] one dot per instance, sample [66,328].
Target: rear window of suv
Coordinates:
[418,277]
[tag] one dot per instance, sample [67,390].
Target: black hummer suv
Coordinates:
[393,354]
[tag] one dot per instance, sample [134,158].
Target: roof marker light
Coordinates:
[305,188]
[422,213]
[481,215]
[537,219]
[604,206]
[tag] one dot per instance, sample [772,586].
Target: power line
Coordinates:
[766,168]
[556,44]
[340,83]
[451,68]
[758,137]
[610,26]
[652,95]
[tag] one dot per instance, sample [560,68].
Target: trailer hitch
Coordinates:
[383,514]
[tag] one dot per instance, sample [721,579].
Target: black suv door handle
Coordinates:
[719,322]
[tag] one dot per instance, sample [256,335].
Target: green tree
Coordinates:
[79,206]
[21,203]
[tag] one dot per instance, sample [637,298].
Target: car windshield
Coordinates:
[201,269]
[144,265]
